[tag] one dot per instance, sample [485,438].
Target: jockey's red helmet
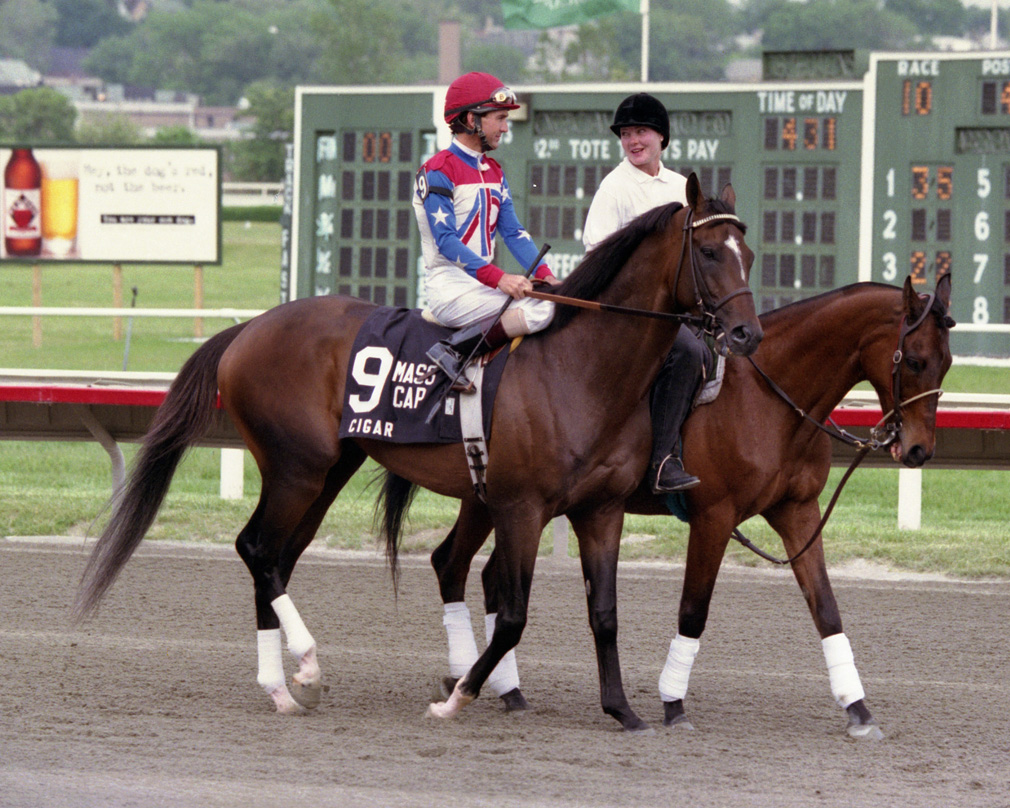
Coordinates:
[477,92]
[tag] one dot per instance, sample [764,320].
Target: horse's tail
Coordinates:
[393,503]
[182,418]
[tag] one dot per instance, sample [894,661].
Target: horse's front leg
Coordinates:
[451,561]
[796,522]
[599,535]
[517,537]
[705,550]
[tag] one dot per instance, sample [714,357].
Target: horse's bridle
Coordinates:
[707,320]
[882,435]
[890,424]
[703,298]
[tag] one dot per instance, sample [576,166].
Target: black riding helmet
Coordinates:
[642,109]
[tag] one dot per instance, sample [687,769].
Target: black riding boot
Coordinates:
[670,403]
[451,353]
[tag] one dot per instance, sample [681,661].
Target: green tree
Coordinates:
[683,44]
[932,17]
[37,116]
[260,158]
[504,61]
[109,130]
[214,49]
[176,136]
[83,23]
[836,24]
[27,31]
[366,43]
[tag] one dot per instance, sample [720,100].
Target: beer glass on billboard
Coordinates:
[59,202]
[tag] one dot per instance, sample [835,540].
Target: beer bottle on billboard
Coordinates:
[22,204]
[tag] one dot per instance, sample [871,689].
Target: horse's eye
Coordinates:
[708,252]
[914,365]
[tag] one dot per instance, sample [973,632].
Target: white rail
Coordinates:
[113,311]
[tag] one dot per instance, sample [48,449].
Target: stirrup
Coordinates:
[677,478]
[451,364]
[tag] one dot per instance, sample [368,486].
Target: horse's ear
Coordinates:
[943,295]
[728,196]
[694,196]
[943,290]
[913,303]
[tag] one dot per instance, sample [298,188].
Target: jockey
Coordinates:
[461,200]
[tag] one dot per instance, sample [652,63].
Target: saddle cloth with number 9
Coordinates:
[390,390]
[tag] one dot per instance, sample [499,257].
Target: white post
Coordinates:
[909,499]
[232,473]
[645,41]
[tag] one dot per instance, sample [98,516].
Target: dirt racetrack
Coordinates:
[155,703]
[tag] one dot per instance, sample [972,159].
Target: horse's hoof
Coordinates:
[439,710]
[864,732]
[674,716]
[515,701]
[283,703]
[633,724]
[445,687]
[308,694]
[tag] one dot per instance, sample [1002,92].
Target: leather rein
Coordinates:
[882,435]
[703,298]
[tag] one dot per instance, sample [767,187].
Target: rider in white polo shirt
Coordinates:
[639,183]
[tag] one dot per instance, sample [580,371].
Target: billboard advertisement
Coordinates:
[111,205]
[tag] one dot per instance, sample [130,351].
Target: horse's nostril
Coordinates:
[745,337]
[915,457]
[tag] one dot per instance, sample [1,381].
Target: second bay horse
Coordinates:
[569,434]
[756,455]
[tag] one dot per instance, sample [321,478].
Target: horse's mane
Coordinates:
[799,309]
[602,264]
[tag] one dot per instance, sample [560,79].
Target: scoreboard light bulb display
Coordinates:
[939,149]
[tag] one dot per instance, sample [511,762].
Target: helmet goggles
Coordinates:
[502,98]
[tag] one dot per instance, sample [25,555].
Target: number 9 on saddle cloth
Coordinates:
[390,390]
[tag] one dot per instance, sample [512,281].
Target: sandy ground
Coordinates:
[155,702]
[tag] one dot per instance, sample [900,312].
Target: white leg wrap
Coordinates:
[505,677]
[299,639]
[842,673]
[673,680]
[271,666]
[462,645]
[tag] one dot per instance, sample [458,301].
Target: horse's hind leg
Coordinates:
[307,682]
[283,524]
[796,522]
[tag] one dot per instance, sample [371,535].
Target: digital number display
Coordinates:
[791,134]
[921,180]
[996,97]
[916,97]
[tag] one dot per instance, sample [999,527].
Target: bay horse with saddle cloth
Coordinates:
[762,447]
[568,433]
